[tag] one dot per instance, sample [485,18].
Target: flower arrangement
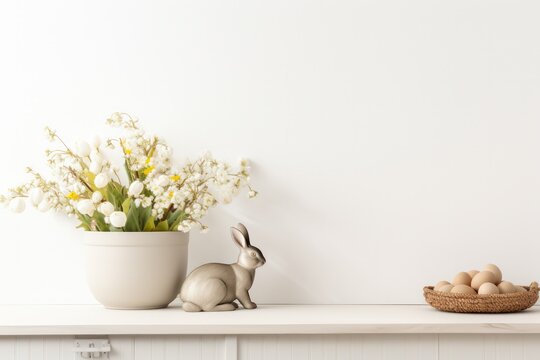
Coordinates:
[150,195]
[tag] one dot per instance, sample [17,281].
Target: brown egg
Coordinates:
[482,277]
[520,288]
[495,270]
[462,278]
[446,288]
[506,287]
[488,289]
[472,273]
[463,289]
[440,284]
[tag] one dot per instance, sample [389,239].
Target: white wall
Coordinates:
[394,143]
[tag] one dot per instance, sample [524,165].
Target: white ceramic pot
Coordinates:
[136,270]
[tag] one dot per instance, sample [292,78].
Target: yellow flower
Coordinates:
[148,170]
[127,151]
[73,196]
[175,178]
[171,194]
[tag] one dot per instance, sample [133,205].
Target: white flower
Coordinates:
[95,167]
[95,156]
[136,188]
[102,180]
[50,134]
[118,219]
[96,142]
[156,189]
[163,180]
[36,196]
[44,206]
[116,117]
[86,207]
[82,148]
[185,226]
[106,208]
[244,163]
[97,197]
[252,194]
[17,205]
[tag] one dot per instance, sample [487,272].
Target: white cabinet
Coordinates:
[270,333]
[286,347]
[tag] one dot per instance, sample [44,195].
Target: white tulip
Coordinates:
[36,195]
[163,180]
[135,188]
[96,142]
[17,205]
[86,207]
[118,219]
[97,197]
[106,208]
[95,156]
[82,148]
[102,180]
[44,206]
[95,167]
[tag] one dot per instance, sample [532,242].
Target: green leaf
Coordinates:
[162,226]
[100,222]
[183,216]
[137,217]
[132,223]
[115,194]
[85,222]
[125,205]
[149,226]
[90,178]
[173,216]
[128,172]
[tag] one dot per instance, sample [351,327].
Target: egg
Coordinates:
[462,278]
[506,287]
[483,277]
[463,289]
[446,288]
[440,284]
[488,289]
[472,273]
[520,288]
[495,270]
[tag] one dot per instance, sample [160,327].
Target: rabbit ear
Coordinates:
[244,231]
[239,238]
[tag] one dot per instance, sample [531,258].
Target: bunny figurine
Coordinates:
[214,287]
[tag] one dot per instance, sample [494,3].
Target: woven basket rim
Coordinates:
[531,289]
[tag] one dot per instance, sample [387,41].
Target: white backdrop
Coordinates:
[394,143]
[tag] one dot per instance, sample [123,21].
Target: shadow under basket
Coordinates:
[496,303]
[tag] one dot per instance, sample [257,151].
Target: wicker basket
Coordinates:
[466,303]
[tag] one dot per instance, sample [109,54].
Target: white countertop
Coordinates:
[267,319]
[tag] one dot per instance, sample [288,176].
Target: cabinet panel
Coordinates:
[334,347]
[496,347]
